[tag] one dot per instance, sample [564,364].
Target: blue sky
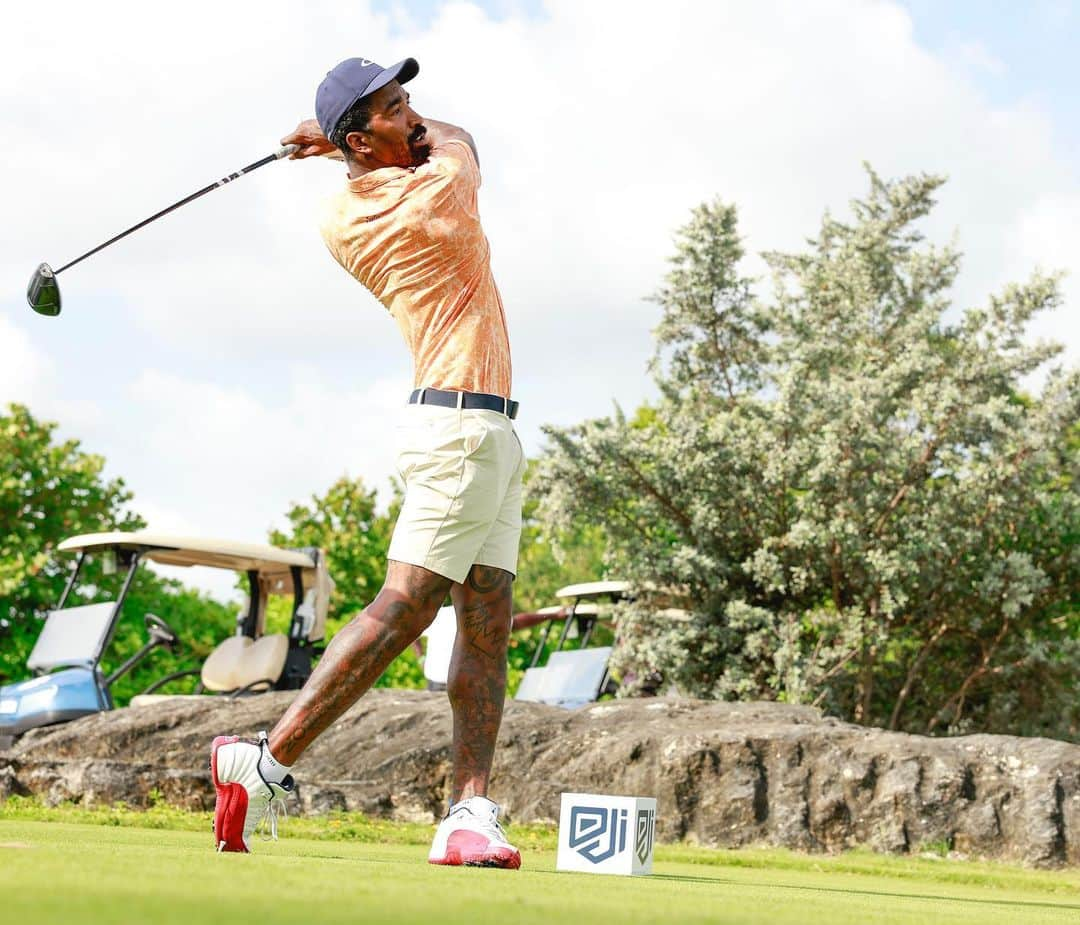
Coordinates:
[1032,49]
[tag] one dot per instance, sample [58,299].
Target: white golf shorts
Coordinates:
[462,471]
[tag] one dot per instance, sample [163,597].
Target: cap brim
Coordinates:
[402,72]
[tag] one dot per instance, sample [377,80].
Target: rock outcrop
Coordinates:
[724,775]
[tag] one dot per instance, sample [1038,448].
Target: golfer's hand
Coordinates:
[313,143]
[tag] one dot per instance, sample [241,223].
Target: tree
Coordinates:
[547,561]
[49,490]
[347,525]
[847,494]
[548,558]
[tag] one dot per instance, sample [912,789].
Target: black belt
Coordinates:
[467,400]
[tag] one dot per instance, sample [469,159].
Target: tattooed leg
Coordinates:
[477,681]
[358,654]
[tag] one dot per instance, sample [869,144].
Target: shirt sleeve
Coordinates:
[455,158]
[330,230]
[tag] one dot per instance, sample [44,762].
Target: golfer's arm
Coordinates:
[444,131]
[312,142]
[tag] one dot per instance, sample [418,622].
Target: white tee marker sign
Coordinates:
[606,834]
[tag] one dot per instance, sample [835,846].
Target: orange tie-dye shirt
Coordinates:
[412,236]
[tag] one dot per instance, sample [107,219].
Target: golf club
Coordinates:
[43,293]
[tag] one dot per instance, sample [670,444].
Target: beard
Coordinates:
[420,153]
[418,146]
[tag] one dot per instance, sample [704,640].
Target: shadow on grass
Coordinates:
[1020,903]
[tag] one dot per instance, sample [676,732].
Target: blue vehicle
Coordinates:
[66,657]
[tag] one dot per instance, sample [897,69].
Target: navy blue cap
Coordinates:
[352,80]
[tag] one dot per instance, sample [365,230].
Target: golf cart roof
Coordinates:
[187,550]
[595,589]
[585,610]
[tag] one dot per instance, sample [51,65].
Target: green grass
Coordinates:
[88,866]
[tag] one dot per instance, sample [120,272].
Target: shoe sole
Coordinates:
[468,849]
[230,807]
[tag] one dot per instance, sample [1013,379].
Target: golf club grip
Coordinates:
[277,155]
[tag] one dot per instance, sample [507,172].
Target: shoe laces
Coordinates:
[276,808]
[489,820]
[266,827]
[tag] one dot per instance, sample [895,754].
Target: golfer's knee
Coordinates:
[419,585]
[402,615]
[487,581]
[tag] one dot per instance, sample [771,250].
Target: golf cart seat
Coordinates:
[242,663]
[238,665]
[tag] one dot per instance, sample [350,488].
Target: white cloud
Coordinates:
[28,376]
[599,127]
[23,368]
[1048,235]
[228,462]
[234,459]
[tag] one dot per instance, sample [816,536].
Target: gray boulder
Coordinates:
[724,775]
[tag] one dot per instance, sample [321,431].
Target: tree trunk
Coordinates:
[865,688]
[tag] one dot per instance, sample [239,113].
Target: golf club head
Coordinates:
[43,293]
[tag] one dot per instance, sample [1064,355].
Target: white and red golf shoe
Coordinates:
[244,797]
[471,835]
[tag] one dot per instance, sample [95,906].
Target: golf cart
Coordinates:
[67,655]
[571,678]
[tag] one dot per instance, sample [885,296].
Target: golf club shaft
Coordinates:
[277,155]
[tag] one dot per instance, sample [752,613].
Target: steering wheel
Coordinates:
[160,632]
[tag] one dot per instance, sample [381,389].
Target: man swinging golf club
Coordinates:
[406,226]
